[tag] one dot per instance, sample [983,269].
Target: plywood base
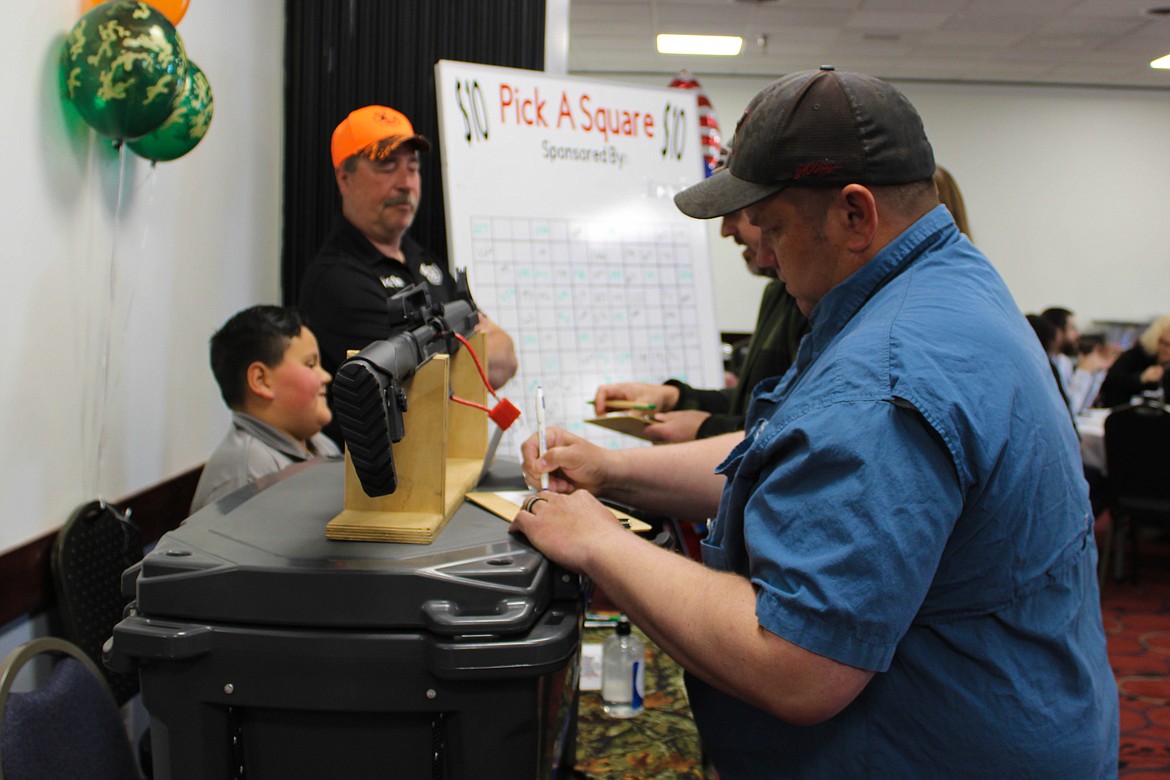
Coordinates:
[405,527]
[438,460]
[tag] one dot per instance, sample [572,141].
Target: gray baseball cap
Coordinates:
[816,128]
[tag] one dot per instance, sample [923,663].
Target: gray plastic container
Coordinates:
[267,651]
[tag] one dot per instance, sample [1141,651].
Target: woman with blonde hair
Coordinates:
[951,197]
[1144,367]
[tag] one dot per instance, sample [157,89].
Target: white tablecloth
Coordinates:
[1091,427]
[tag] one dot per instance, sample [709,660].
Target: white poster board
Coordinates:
[559,196]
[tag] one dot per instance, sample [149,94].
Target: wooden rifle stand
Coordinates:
[438,460]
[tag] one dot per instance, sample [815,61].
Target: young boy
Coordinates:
[269,372]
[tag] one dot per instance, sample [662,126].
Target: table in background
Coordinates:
[1091,428]
[660,743]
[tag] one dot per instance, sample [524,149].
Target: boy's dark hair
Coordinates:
[256,333]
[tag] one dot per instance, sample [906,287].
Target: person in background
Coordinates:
[951,197]
[1047,334]
[269,372]
[1081,372]
[1144,367]
[1080,375]
[1096,479]
[685,413]
[900,580]
[368,256]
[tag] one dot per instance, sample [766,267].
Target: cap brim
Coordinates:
[721,194]
[417,141]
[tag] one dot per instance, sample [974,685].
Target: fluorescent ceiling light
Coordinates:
[1162,63]
[720,45]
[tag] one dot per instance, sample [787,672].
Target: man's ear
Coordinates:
[259,378]
[860,212]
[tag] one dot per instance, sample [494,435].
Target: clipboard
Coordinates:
[631,423]
[506,503]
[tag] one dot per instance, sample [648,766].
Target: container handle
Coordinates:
[140,638]
[447,617]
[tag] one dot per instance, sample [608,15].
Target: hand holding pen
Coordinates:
[645,397]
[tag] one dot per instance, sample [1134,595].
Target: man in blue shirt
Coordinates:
[900,580]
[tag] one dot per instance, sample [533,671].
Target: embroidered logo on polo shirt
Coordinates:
[393,281]
[432,272]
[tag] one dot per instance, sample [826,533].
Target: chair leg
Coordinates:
[1117,539]
[1106,553]
[1131,534]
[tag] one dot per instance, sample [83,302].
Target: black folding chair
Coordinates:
[97,543]
[1137,457]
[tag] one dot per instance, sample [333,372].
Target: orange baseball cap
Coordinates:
[370,125]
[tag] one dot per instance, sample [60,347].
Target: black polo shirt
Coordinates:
[344,291]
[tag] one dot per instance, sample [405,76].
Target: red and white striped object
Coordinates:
[708,122]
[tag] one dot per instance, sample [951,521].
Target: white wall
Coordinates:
[1064,188]
[1065,191]
[192,241]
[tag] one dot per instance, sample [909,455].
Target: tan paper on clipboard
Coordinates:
[631,423]
[506,503]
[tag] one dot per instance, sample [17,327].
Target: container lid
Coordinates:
[260,557]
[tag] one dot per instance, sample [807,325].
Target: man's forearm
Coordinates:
[501,352]
[706,621]
[678,480]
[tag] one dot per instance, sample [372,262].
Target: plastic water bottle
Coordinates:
[624,659]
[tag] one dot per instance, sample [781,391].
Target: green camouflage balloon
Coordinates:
[186,125]
[123,66]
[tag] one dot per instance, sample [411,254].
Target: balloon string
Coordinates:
[87,344]
[151,183]
[107,361]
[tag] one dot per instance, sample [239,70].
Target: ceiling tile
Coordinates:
[834,4]
[898,20]
[931,6]
[1048,7]
[799,17]
[1090,25]
[997,24]
[1041,41]
[1116,8]
[615,13]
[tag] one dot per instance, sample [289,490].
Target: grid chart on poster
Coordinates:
[586,303]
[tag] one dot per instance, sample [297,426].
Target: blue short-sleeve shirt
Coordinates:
[908,499]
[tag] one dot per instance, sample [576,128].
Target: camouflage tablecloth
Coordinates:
[662,742]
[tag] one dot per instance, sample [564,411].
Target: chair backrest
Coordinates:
[67,729]
[1137,456]
[97,543]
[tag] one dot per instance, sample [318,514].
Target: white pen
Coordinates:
[541,440]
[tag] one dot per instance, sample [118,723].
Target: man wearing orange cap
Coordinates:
[368,256]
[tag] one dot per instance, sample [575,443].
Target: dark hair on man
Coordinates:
[912,198]
[1045,331]
[1057,316]
[257,333]
[375,153]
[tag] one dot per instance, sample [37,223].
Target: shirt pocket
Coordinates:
[723,546]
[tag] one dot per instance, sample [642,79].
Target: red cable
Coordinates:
[465,402]
[475,357]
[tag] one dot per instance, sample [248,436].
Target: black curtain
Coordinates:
[343,54]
